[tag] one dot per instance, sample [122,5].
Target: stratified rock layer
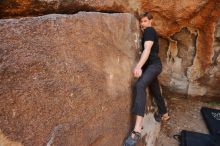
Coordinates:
[21,8]
[66,79]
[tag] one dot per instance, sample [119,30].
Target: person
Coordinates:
[147,70]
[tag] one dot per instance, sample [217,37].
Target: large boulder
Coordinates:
[21,8]
[66,79]
[186,28]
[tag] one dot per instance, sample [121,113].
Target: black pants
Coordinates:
[148,79]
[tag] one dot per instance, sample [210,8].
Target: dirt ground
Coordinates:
[185,115]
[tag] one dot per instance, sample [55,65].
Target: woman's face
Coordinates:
[145,22]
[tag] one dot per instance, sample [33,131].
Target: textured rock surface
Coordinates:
[63,77]
[180,54]
[212,76]
[4,141]
[66,79]
[150,131]
[18,8]
[187,29]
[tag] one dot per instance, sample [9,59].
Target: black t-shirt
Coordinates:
[151,35]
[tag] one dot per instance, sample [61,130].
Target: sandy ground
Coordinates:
[185,115]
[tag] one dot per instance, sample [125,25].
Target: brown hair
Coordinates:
[146,14]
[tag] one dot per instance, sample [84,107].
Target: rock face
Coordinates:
[186,28]
[68,76]
[18,8]
[189,45]
[212,76]
[180,53]
[4,141]
[66,79]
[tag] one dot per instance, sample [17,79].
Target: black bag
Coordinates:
[212,119]
[189,138]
